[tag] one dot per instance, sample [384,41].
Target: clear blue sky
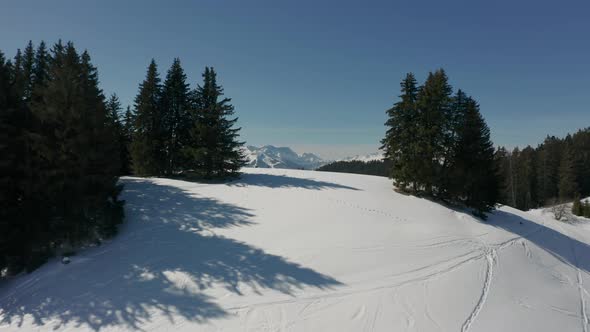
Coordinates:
[318,75]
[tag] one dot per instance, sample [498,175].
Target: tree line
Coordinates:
[371,167]
[555,172]
[439,145]
[64,145]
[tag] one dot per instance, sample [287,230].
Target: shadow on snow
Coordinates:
[566,249]
[282,181]
[163,260]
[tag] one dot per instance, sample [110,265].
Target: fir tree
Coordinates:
[215,151]
[567,176]
[474,171]
[399,143]
[548,159]
[127,137]
[147,148]
[175,116]
[434,121]
[526,189]
[113,121]
[28,63]
[10,196]
[41,66]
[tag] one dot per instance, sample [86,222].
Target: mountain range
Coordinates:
[269,156]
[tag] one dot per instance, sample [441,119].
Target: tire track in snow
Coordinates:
[491,258]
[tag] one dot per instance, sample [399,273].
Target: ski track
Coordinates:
[580,284]
[422,274]
[581,289]
[491,258]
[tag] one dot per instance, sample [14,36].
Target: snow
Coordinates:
[290,250]
[270,156]
[375,156]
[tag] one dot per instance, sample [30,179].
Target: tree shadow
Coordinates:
[566,249]
[163,262]
[283,181]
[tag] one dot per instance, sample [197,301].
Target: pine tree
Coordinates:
[41,66]
[580,145]
[503,166]
[28,62]
[567,176]
[57,172]
[113,121]
[527,180]
[474,170]
[77,147]
[214,150]
[147,148]
[548,159]
[176,117]
[10,194]
[127,137]
[399,142]
[434,121]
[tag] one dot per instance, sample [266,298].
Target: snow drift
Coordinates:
[286,250]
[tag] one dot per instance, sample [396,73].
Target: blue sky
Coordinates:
[319,75]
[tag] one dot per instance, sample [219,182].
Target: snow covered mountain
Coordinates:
[270,156]
[368,157]
[291,250]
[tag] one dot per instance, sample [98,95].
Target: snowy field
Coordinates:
[285,250]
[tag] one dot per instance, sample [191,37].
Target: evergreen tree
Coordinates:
[41,66]
[474,171]
[502,160]
[548,159]
[567,176]
[175,116]
[214,150]
[10,194]
[580,145]
[147,147]
[57,173]
[28,62]
[76,146]
[127,137]
[113,121]
[434,122]
[526,188]
[399,143]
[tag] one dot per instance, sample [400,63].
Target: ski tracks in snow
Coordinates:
[491,258]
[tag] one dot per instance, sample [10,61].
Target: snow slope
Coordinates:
[287,250]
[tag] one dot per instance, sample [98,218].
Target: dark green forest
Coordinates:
[64,146]
[372,167]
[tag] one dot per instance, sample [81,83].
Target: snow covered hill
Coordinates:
[270,156]
[290,250]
